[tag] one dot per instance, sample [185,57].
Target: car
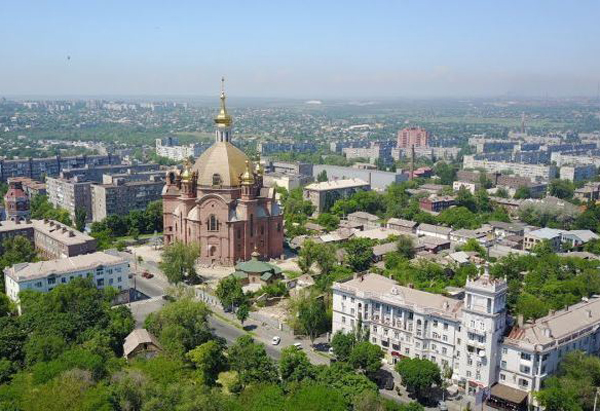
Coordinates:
[330,351]
[147,274]
[389,384]
[442,406]
[298,345]
[276,340]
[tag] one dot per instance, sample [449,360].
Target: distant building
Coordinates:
[398,224]
[70,195]
[378,180]
[103,268]
[285,180]
[38,168]
[169,147]
[289,167]
[413,136]
[272,147]
[117,196]
[96,173]
[589,192]
[51,238]
[471,187]
[30,186]
[431,230]
[578,172]
[533,171]
[368,221]
[437,203]
[324,195]
[256,272]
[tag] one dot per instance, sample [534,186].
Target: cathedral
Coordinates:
[220,204]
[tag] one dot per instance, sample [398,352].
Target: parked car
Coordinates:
[442,406]
[330,351]
[298,345]
[389,384]
[276,340]
[147,274]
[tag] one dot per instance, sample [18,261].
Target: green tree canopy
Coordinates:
[418,375]
[179,262]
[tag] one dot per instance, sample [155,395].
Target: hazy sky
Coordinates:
[307,49]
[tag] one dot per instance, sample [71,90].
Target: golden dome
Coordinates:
[223,119]
[222,162]
[259,169]
[248,177]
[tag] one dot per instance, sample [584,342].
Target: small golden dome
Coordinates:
[248,176]
[186,174]
[259,169]
[223,119]
[255,254]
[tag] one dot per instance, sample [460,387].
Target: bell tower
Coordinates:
[223,119]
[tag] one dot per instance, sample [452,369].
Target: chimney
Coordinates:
[520,320]
[589,313]
[71,233]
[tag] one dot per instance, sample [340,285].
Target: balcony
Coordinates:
[476,331]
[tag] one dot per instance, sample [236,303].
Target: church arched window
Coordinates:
[217,180]
[213,223]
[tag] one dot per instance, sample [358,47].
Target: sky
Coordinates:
[301,49]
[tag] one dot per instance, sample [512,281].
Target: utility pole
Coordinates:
[596,398]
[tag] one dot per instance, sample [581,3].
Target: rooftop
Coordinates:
[434,228]
[337,184]
[60,232]
[137,337]
[31,271]
[363,215]
[388,290]
[402,223]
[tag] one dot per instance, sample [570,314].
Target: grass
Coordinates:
[141,237]
[235,324]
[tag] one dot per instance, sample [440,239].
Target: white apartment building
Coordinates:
[532,352]
[169,147]
[471,187]
[578,172]
[104,268]
[533,171]
[404,322]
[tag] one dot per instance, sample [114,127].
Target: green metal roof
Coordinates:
[255,266]
[239,274]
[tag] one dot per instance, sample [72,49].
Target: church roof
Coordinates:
[256,266]
[224,159]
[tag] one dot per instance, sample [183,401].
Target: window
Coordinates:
[502,377]
[525,369]
[38,284]
[435,323]
[445,326]
[406,351]
[251,225]
[525,356]
[118,279]
[444,338]
[504,350]
[216,179]
[278,227]
[63,280]
[100,282]
[110,281]
[523,383]
[444,350]
[52,280]
[213,223]
[343,320]
[433,346]
[503,364]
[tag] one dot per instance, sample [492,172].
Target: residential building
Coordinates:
[463,335]
[256,273]
[30,186]
[431,230]
[117,196]
[532,351]
[502,229]
[578,172]
[169,147]
[367,220]
[38,168]
[378,180]
[589,192]
[51,238]
[140,343]
[535,237]
[461,236]
[96,173]
[105,269]
[431,153]
[287,181]
[413,136]
[471,187]
[405,226]
[437,204]
[71,195]
[289,167]
[533,171]
[266,148]
[324,195]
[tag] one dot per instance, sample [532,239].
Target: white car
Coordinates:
[298,346]
[276,340]
[330,351]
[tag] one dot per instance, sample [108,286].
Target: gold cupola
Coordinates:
[259,168]
[223,119]
[248,177]
[186,174]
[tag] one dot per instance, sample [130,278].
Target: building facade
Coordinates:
[16,202]
[169,147]
[220,204]
[103,268]
[324,195]
[578,172]
[71,195]
[413,136]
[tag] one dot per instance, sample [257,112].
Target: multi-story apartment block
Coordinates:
[71,195]
[38,168]
[96,173]
[492,146]
[436,203]
[533,171]
[169,147]
[379,180]
[104,268]
[289,167]
[338,146]
[324,195]
[461,335]
[431,153]
[271,147]
[578,172]
[471,187]
[589,192]
[30,186]
[51,238]
[413,136]
[120,196]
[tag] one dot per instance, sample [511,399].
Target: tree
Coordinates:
[242,313]
[418,375]
[555,397]
[502,192]
[446,172]
[322,176]
[459,217]
[522,193]
[229,292]
[5,305]
[181,325]
[473,245]
[406,246]
[80,218]
[360,253]
[209,360]
[561,188]
[316,397]
[326,258]
[294,366]
[307,255]
[342,344]
[15,250]
[366,357]
[312,318]
[251,361]
[329,221]
[178,262]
